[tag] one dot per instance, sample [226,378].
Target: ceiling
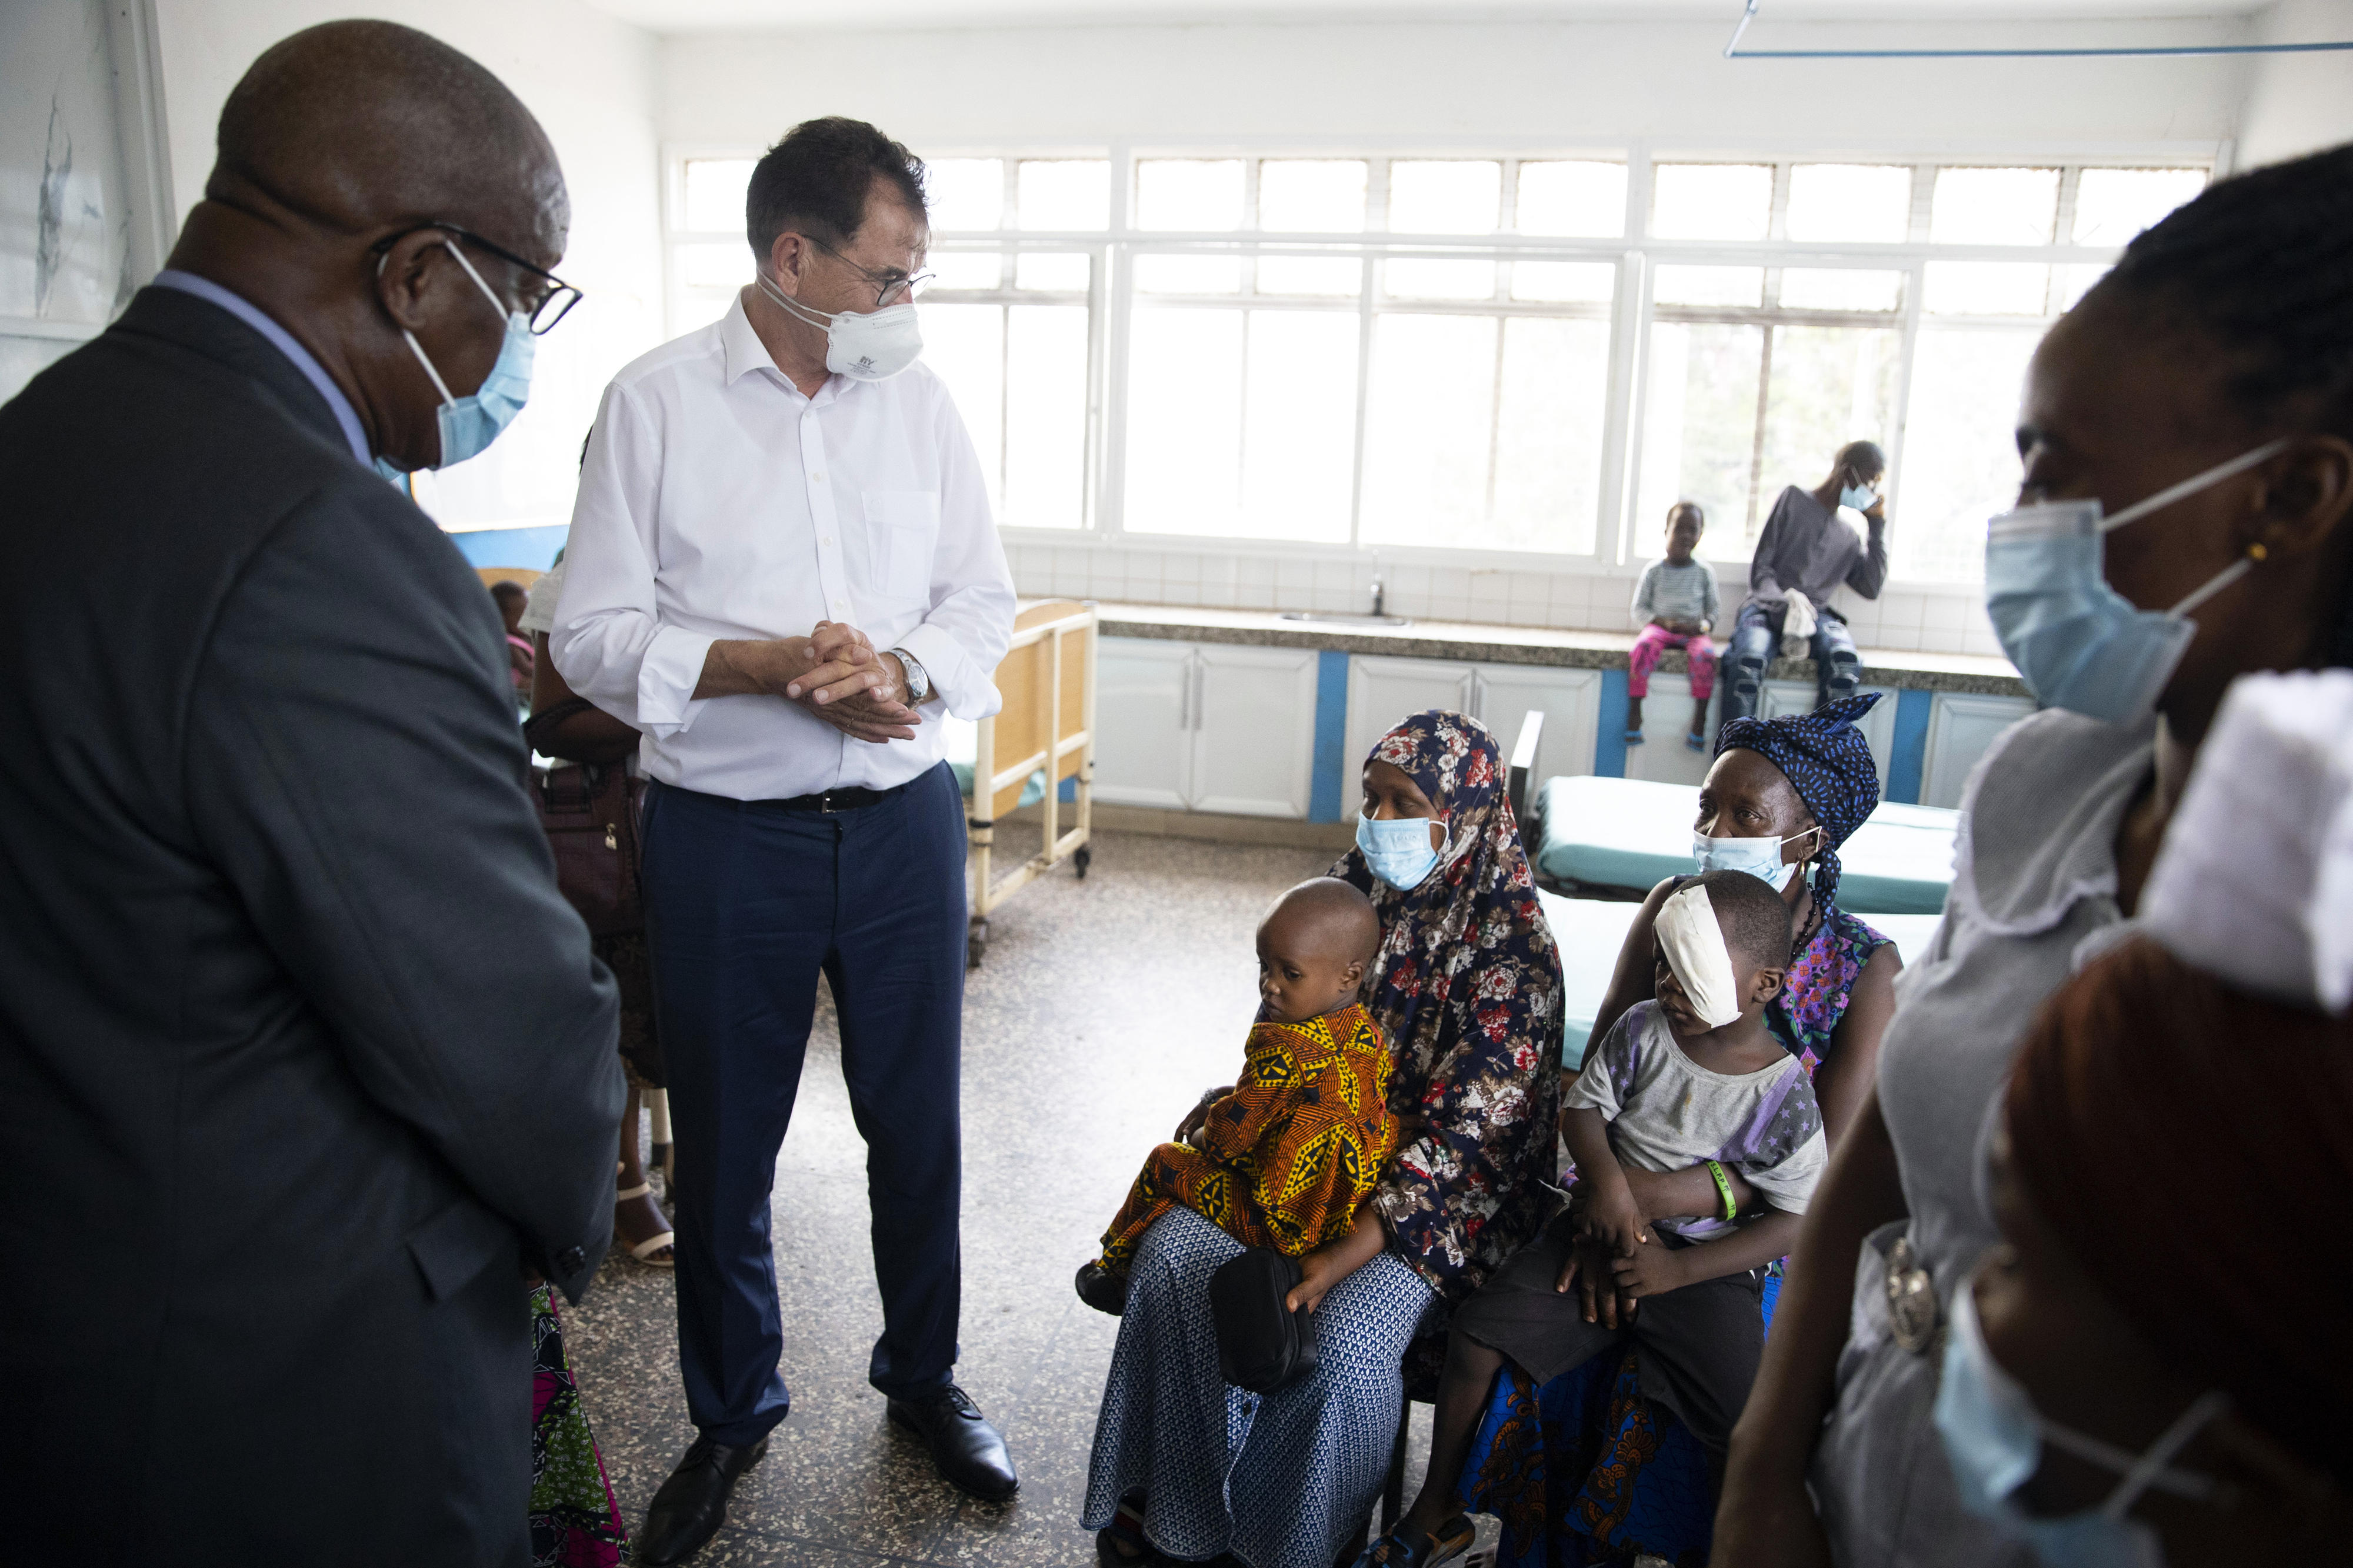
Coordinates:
[708,15]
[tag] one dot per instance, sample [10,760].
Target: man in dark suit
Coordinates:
[303,1061]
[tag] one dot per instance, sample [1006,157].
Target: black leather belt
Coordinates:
[848,798]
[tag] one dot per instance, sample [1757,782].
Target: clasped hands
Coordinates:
[1614,1261]
[833,672]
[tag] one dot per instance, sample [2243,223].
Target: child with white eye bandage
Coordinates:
[1690,1077]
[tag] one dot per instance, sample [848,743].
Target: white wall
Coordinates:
[2298,104]
[1589,84]
[593,83]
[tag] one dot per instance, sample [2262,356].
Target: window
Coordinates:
[1443,350]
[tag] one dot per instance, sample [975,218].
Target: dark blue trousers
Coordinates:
[746,904]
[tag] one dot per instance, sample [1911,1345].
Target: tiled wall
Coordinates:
[1923,620]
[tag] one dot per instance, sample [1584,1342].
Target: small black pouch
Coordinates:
[1261,1346]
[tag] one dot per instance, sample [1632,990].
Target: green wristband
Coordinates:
[1724,1190]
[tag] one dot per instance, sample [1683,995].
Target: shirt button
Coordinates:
[817,478]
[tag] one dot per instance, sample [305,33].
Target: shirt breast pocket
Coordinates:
[903,529]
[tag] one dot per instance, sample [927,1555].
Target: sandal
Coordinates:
[1633,737]
[664,1242]
[1695,741]
[1448,1541]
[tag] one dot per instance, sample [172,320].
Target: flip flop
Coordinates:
[1448,1541]
[1633,737]
[1695,741]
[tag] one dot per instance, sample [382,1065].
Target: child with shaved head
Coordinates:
[1286,1156]
[1690,1077]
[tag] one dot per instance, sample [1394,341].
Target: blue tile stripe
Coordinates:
[1330,787]
[534,548]
[1907,760]
[1610,731]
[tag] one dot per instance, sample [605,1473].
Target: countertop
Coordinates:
[1472,642]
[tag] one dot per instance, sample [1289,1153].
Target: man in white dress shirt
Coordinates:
[783,571]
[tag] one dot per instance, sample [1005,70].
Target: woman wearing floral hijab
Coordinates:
[1467,987]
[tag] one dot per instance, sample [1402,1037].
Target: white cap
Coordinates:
[2254,881]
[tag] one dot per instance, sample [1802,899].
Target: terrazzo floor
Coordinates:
[1104,1008]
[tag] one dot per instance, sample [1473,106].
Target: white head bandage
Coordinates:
[2254,881]
[1693,944]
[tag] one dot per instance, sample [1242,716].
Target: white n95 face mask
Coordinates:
[864,345]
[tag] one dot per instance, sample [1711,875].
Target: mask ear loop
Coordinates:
[409,338]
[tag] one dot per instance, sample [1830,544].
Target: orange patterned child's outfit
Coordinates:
[1282,1160]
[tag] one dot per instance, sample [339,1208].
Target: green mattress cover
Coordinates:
[1591,931]
[1632,833]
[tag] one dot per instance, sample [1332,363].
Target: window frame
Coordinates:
[1620,539]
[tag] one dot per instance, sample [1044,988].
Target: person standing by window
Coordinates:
[782,569]
[1805,553]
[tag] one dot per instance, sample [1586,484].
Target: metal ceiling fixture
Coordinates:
[1733,51]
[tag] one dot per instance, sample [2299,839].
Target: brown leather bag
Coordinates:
[589,812]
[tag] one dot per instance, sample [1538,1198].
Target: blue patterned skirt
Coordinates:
[1283,1480]
[1584,1471]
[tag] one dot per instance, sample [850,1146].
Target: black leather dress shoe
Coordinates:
[693,1504]
[966,1448]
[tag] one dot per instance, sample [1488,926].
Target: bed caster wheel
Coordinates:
[975,944]
[1082,858]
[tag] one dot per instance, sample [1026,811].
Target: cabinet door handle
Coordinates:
[1200,690]
[1478,697]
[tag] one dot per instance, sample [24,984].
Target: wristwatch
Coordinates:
[919,684]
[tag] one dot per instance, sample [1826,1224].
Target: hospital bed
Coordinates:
[1622,837]
[1589,932]
[1043,735]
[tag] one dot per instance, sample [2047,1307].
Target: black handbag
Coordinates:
[1261,1346]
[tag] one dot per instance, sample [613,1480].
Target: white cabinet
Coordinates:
[1205,727]
[1878,726]
[1960,728]
[1383,690]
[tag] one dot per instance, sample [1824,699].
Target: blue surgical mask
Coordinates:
[2077,642]
[1760,857]
[1994,1437]
[1862,498]
[1398,851]
[469,424]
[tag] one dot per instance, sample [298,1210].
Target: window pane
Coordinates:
[1986,289]
[1426,477]
[1709,286]
[964,346]
[968,268]
[1994,207]
[1299,425]
[714,266]
[1960,450]
[1320,275]
[2114,205]
[965,193]
[1052,273]
[1065,193]
[715,194]
[1569,282]
[1711,201]
[1417,277]
[1188,274]
[1046,417]
[1841,288]
[1584,200]
[1548,435]
[1453,196]
[1827,387]
[1306,195]
[1188,193]
[2074,282]
[1184,421]
[1699,423]
[1866,202]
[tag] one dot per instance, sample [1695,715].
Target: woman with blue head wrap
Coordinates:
[1587,1456]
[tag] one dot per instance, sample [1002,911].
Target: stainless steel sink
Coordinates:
[1336,620]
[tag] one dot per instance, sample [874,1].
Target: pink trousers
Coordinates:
[1654,641]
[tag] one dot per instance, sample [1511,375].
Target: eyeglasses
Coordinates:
[555,300]
[889,288]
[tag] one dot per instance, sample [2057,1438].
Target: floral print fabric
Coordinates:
[1805,1017]
[575,1522]
[1467,986]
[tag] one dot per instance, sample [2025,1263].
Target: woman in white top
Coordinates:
[2202,391]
